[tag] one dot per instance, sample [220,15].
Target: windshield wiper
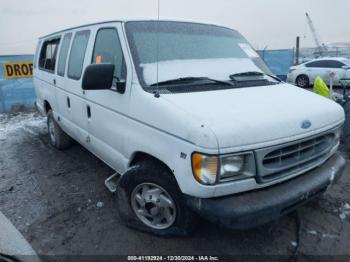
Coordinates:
[189,80]
[250,74]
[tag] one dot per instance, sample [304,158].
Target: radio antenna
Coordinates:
[157,47]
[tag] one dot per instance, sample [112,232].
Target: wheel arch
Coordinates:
[302,74]
[47,106]
[140,156]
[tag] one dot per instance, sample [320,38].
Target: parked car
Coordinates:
[304,75]
[191,119]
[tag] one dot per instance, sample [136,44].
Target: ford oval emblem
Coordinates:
[306,124]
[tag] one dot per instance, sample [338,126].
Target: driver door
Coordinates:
[107,121]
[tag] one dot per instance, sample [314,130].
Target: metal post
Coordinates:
[297,51]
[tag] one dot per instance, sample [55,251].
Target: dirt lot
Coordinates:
[58,200]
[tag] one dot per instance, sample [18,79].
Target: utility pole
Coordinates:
[297,51]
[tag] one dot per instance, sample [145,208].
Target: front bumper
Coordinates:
[290,80]
[250,209]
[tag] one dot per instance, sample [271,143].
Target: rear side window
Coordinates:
[77,54]
[48,55]
[108,50]
[334,64]
[61,66]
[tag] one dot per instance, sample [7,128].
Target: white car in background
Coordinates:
[303,75]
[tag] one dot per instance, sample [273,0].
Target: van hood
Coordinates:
[248,117]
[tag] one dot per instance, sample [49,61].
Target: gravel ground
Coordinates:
[58,201]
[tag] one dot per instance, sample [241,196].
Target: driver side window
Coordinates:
[108,49]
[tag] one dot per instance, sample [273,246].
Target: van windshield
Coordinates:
[166,51]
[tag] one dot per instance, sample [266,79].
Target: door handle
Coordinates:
[88,111]
[54,81]
[68,102]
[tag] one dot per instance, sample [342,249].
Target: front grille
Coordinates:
[285,160]
[297,153]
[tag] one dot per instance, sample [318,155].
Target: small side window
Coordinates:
[77,54]
[48,54]
[108,50]
[334,64]
[61,67]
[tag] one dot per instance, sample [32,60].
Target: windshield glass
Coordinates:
[164,51]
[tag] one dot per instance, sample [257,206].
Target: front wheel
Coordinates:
[150,200]
[302,81]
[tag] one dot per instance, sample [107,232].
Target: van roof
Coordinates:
[124,20]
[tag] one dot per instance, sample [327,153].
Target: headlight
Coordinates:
[290,71]
[205,168]
[209,170]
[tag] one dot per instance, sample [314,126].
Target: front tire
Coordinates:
[150,200]
[302,81]
[57,137]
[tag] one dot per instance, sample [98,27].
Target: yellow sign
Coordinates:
[18,70]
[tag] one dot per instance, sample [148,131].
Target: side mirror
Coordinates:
[98,77]
[346,67]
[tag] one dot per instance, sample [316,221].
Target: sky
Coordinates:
[270,24]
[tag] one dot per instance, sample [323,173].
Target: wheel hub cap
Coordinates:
[153,205]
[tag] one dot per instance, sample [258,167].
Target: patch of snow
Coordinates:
[312,232]
[344,211]
[329,236]
[342,216]
[99,204]
[219,69]
[10,124]
[323,235]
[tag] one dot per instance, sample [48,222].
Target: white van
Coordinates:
[191,119]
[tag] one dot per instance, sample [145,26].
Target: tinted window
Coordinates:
[63,54]
[317,64]
[108,50]
[48,55]
[334,64]
[77,54]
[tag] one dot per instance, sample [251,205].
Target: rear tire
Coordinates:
[302,81]
[57,137]
[146,184]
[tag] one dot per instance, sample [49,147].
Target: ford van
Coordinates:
[192,121]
